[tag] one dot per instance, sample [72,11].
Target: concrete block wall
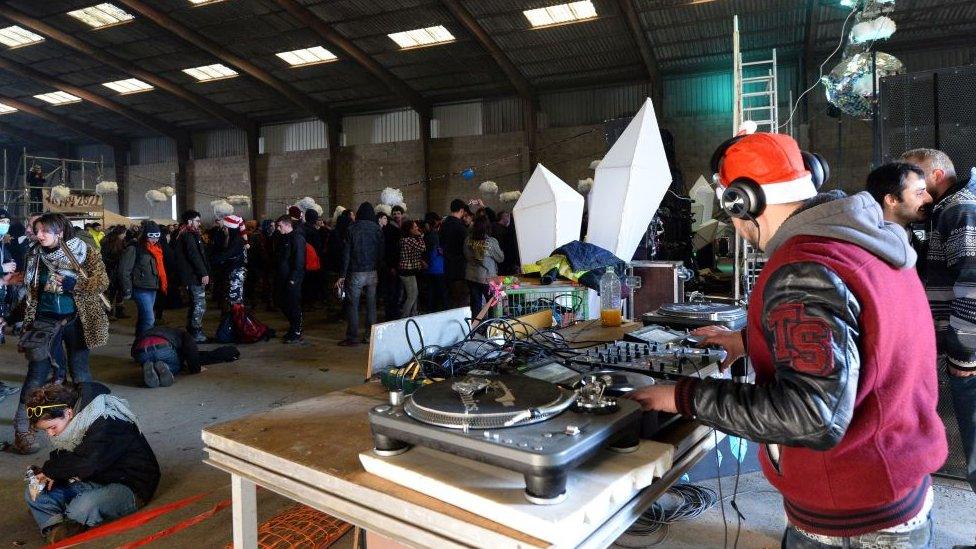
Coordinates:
[214,178]
[292,176]
[363,171]
[143,177]
[501,158]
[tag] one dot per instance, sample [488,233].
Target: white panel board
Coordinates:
[388,345]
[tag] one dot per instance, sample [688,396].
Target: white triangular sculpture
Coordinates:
[702,202]
[630,183]
[547,215]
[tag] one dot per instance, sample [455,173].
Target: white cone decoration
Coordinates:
[633,178]
[509,196]
[106,187]
[547,215]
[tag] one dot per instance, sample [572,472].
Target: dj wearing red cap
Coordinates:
[841,339]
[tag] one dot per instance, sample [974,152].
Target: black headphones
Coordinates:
[744,198]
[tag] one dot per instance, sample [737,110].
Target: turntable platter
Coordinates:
[703,311]
[489,402]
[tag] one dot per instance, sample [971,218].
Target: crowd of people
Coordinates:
[850,441]
[62,285]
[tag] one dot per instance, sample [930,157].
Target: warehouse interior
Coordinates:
[143,110]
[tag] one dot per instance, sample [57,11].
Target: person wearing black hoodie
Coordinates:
[453,232]
[360,260]
[290,261]
[165,352]
[102,466]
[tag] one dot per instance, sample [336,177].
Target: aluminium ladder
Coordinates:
[756,92]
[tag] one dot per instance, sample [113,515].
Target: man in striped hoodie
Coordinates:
[951,285]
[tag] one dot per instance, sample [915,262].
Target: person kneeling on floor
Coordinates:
[165,352]
[102,467]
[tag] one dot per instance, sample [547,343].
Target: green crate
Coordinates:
[567,302]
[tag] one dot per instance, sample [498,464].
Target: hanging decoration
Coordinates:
[384,209]
[391,197]
[220,207]
[584,185]
[594,164]
[851,84]
[106,187]
[155,196]
[467,174]
[510,196]
[167,190]
[239,200]
[488,187]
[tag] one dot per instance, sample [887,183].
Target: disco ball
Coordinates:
[849,86]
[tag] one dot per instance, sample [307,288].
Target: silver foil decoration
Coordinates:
[849,86]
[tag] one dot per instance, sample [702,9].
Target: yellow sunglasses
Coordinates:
[38,411]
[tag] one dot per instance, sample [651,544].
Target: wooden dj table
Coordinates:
[309,452]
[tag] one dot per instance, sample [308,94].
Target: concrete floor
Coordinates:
[270,375]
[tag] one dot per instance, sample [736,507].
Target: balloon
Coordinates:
[468,174]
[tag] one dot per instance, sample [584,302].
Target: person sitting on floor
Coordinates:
[165,352]
[102,467]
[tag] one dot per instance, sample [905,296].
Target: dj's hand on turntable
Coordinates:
[658,397]
[720,336]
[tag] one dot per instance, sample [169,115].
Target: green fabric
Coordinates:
[559,262]
[59,304]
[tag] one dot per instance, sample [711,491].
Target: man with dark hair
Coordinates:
[844,401]
[949,282]
[193,271]
[290,261]
[391,258]
[453,232]
[360,261]
[436,285]
[899,187]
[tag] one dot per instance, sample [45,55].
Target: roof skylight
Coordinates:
[129,85]
[561,13]
[307,56]
[6,109]
[422,37]
[18,36]
[209,73]
[102,15]
[58,98]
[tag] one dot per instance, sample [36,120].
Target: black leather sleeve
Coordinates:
[810,323]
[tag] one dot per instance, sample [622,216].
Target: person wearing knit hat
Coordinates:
[142,274]
[841,340]
[229,261]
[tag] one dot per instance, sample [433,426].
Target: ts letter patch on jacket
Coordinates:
[804,341]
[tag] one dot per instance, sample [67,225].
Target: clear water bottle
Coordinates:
[610,314]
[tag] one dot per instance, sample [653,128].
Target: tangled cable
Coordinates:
[693,500]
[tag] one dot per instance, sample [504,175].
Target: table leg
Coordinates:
[245,511]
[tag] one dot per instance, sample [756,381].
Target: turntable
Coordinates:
[695,314]
[519,423]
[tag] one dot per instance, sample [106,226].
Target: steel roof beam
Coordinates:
[644,47]
[201,103]
[355,53]
[80,127]
[151,122]
[284,89]
[30,137]
[467,20]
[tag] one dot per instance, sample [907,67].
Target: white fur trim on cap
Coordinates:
[782,193]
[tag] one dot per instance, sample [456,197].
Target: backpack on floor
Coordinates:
[225,330]
[247,328]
